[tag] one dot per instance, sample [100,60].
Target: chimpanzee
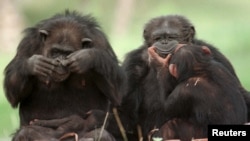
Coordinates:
[146,85]
[51,130]
[64,66]
[206,93]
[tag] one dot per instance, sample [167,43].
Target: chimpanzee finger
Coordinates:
[50,61]
[54,123]
[42,71]
[67,62]
[154,57]
[151,51]
[49,64]
[166,60]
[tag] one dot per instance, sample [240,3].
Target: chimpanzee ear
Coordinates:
[86,43]
[191,34]
[173,70]
[146,35]
[206,50]
[43,34]
[192,31]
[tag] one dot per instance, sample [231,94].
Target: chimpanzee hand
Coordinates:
[39,65]
[93,119]
[157,61]
[72,123]
[80,61]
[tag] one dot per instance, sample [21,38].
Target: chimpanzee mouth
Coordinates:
[60,74]
[164,49]
[59,77]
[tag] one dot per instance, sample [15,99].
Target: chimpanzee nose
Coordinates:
[164,41]
[61,57]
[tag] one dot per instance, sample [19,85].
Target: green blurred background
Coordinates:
[223,23]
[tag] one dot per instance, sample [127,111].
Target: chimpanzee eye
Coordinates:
[173,37]
[157,38]
[55,52]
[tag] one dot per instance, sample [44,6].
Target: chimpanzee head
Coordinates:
[168,28]
[63,34]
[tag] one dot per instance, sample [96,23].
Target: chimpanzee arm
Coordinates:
[28,64]
[136,68]
[180,102]
[108,75]
[17,81]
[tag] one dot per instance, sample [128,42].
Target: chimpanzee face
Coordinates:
[166,29]
[166,33]
[59,42]
[62,40]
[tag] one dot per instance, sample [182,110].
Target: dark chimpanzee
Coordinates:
[145,89]
[54,130]
[64,67]
[206,93]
